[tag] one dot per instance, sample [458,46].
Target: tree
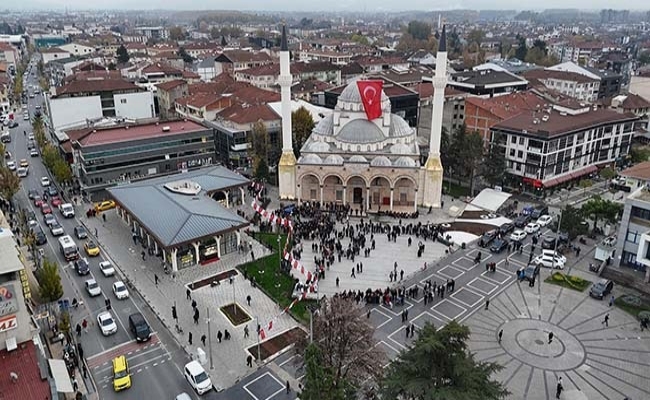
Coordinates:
[467,150]
[176,33]
[50,281]
[476,36]
[260,150]
[61,170]
[9,183]
[644,58]
[639,154]
[419,30]
[494,166]
[223,41]
[608,173]
[122,55]
[349,353]
[183,54]
[44,83]
[598,208]
[572,222]
[521,50]
[302,124]
[317,377]
[440,366]
[18,85]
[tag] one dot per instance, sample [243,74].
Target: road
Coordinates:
[156,366]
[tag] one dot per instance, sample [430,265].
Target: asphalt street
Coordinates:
[156,366]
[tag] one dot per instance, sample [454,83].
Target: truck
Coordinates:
[68,248]
[67,210]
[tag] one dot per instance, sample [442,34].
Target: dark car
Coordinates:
[51,190]
[506,228]
[81,266]
[549,241]
[499,245]
[80,232]
[488,237]
[32,193]
[539,211]
[601,289]
[139,327]
[39,236]
[522,221]
[531,272]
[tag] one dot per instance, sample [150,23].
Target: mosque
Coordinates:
[362,154]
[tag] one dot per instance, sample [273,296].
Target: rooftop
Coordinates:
[508,106]
[185,217]
[138,132]
[486,77]
[638,171]
[24,362]
[9,253]
[558,75]
[169,85]
[95,86]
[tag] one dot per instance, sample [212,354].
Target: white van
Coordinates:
[197,377]
[66,210]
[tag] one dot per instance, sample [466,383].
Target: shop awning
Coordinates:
[584,171]
[60,374]
[550,183]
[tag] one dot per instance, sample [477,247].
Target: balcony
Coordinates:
[240,147]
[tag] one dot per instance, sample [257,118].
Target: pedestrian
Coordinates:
[352,275]
[143,254]
[412,330]
[611,301]
[219,336]
[550,337]
[368,313]
[487,303]
[188,294]
[559,388]
[606,320]
[203,337]
[189,339]
[193,304]
[401,275]
[75,384]
[246,331]
[406,314]
[155,278]
[248,300]
[408,330]
[104,217]
[500,335]
[84,324]
[96,234]
[390,276]
[249,361]
[78,329]
[337,281]
[288,387]
[226,334]
[196,316]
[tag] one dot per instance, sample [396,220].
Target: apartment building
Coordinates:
[633,240]
[9,54]
[572,84]
[167,93]
[487,82]
[610,82]
[561,143]
[53,53]
[231,61]
[153,32]
[266,76]
[324,56]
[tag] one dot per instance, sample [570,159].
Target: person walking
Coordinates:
[559,388]
[78,329]
[248,300]
[352,275]
[249,361]
[188,294]
[219,336]
[487,303]
[84,324]
[203,337]
[155,279]
[408,330]
[606,320]
[337,281]
[246,331]
[500,335]
[611,301]
[550,337]
[196,316]
[189,339]
[193,304]
[288,387]
[143,255]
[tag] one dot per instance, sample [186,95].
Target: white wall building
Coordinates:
[77,49]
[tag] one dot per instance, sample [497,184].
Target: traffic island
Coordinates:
[568,281]
[235,314]
[636,306]
[277,344]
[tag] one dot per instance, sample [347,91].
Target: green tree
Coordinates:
[61,170]
[223,41]
[521,50]
[419,30]
[467,150]
[260,150]
[44,83]
[318,379]
[476,36]
[9,183]
[572,222]
[302,124]
[176,33]
[608,173]
[598,208]
[639,154]
[18,85]
[50,281]
[183,54]
[440,366]
[494,166]
[122,55]
[644,58]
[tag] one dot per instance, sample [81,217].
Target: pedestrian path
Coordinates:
[229,356]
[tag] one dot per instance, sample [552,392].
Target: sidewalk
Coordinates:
[229,356]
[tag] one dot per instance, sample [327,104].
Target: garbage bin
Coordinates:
[201,356]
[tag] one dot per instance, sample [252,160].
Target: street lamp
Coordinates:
[313,309]
[280,250]
[210,340]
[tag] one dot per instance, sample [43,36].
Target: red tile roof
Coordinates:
[508,106]
[638,171]
[93,75]
[52,50]
[200,100]
[541,74]
[24,362]
[244,56]
[242,91]
[190,75]
[138,132]
[95,85]
[169,85]
[161,68]
[633,101]
[248,114]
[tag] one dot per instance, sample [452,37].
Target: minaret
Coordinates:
[432,194]
[287,164]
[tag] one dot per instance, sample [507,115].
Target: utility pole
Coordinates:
[210,340]
[557,239]
[232,283]
[313,309]
[259,353]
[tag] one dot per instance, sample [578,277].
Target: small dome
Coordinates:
[358,159]
[311,159]
[400,148]
[325,126]
[399,127]
[360,131]
[333,159]
[319,147]
[380,161]
[405,162]
[351,94]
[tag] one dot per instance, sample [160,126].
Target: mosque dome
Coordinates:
[351,94]
[325,126]
[358,159]
[360,131]
[405,162]
[333,159]
[400,148]
[380,161]
[399,127]
[310,159]
[319,147]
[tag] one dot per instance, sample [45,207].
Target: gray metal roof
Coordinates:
[178,218]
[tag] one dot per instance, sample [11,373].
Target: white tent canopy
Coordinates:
[488,200]
[61,378]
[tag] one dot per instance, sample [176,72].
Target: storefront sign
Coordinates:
[8,323]
[194,163]
[8,304]
[27,291]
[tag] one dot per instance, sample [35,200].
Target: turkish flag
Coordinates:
[371,96]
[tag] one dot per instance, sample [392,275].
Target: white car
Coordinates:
[107,268]
[56,229]
[548,261]
[11,165]
[532,227]
[544,220]
[30,136]
[93,288]
[67,210]
[25,117]
[45,181]
[106,323]
[552,253]
[197,377]
[120,290]
[518,235]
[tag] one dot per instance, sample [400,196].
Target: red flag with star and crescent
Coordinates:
[371,97]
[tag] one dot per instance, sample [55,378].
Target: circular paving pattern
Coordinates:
[527,341]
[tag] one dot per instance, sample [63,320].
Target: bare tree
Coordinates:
[348,356]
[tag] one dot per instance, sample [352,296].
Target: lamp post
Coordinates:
[313,309]
[280,250]
[557,238]
[210,340]
[259,354]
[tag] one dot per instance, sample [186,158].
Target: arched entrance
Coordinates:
[404,194]
[220,197]
[355,188]
[380,194]
[310,188]
[332,189]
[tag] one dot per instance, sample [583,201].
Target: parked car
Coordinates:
[531,272]
[499,245]
[106,323]
[544,220]
[33,153]
[506,228]
[11,165]
[518,235]
[548,242]
[539,211]
[104,205]
[601,289]
[488,237]
[532,227]
[197,377]
[548,261]
[521,221]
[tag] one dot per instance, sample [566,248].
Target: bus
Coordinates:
[68,248]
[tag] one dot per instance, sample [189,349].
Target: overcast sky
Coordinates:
[331,5]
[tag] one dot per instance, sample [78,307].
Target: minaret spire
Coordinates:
[287,173]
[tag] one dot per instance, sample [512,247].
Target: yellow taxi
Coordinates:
[91,248]
[121,374]
[24,163]
[104,205]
